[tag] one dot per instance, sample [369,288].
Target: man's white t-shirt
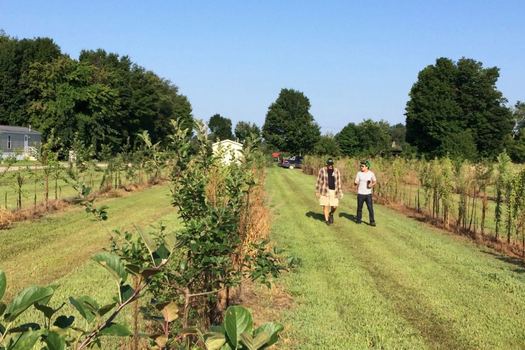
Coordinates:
[361,179]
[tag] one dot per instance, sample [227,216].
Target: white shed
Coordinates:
[229,150]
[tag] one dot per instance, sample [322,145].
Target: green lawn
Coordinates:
[39,252]
[401,285]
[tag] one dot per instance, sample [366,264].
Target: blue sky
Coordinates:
[353,59]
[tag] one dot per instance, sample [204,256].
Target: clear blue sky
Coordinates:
[353,59]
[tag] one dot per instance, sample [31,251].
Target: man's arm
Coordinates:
[373,180]
[319,183]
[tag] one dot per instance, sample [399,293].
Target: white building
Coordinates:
[227,149]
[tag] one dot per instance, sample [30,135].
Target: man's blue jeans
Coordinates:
[367,198]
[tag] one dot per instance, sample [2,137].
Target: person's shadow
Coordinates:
[350,217]
[315,216]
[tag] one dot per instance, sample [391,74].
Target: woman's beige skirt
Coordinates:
[330,200]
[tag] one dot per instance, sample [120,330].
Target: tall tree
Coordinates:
[348,140]
[449,98]
[220,128]
[246,129]
[69,101]
[16,56]
[327,146]
[289,126]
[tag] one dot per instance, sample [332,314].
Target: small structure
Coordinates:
[227,149]
[19,141]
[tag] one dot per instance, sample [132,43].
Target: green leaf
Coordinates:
[271,328]
[55,341]
[161,254]
[82,308]
[117,330]
[105,309]
[126,292]
[46,310]
[214,341]
[64,321]
[24,341]
[237,320]
[113,264]
[170,312]
[25,327]
[25,299]
[3,284]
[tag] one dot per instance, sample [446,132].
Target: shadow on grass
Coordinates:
[352,218]
[509,260]
[315,216]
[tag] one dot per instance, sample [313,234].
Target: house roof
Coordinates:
[17,129]
[227,142]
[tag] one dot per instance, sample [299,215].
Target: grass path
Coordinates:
[42,251]
[401,285]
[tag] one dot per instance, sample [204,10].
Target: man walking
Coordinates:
[329,190]
[365,180]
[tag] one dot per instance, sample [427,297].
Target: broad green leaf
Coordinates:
[46,310]
[126,292]
[170,312]
[24,341]
[64,321]
[117,330]
[25,299]
[113,264]
[257,342]
[55,341]
[82,309]
[237,320]
[214,341]
[106,308]
[3,284]
[271,328]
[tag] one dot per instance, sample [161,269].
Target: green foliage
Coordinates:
[244,130]
[210,197]
[327,146]
[220,128]
[289,125]
[105,98]
[369,138]
[451,97]
[237,332]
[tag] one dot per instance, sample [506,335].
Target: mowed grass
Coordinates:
[42,251]
[401,285]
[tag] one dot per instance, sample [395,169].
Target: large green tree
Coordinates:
[16,57]
[220,128]
[327,146]
[244,130]
[451,98]
[368,138]
[289,125]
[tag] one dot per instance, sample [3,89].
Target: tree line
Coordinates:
[454,109]
[104,101]
[101,100]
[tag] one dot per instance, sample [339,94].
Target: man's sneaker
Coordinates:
[373,224]
[331,218]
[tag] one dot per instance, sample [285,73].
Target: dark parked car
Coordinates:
[293,162]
